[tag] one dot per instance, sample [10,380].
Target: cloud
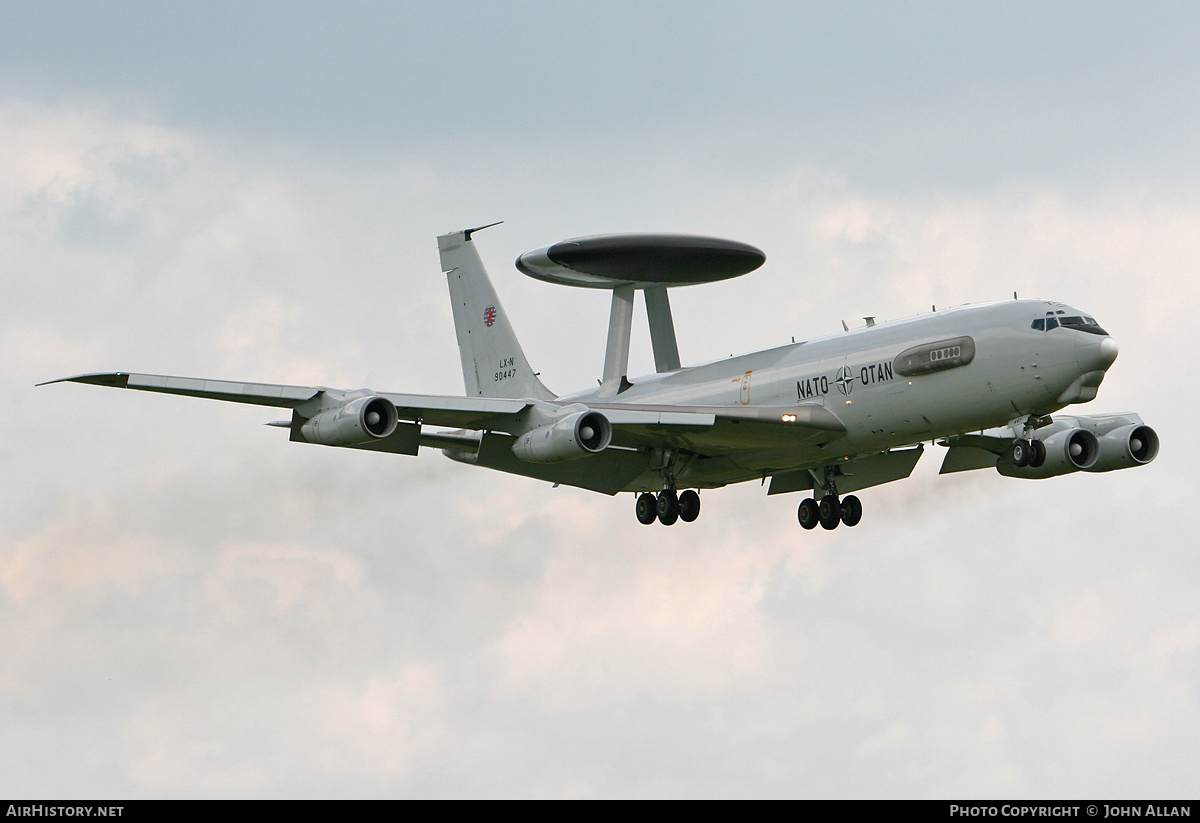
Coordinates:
[195,606]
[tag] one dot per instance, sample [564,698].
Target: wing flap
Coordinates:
[719,430]
[456,412]
[968,458]
[404,440]
[968,452]
[608,472]
[853,475]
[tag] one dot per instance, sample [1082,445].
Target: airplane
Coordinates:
[827,416]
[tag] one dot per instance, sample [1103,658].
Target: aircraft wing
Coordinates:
[485,429]
[634,426]
[261,394]
[434,410]
[1113,436]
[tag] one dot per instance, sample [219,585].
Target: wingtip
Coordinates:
[118,379]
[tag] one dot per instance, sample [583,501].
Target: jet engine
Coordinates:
[357,422]
[1133,445]
[1067,451]
[574,436]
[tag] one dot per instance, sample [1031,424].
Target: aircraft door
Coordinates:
[744,394]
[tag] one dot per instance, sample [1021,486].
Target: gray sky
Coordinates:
[192,606]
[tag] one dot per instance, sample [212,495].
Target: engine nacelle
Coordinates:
[1133,445]
[574,436]
[1067,451]
[359,421]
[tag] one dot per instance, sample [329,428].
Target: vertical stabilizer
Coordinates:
[492,361]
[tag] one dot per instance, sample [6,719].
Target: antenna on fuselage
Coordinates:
[653,263]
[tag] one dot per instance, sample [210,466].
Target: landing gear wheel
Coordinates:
[851,510]
[1037,453]
[668,507]
[1019,452]
[807,513]
[647,509]
[689,506]
[829,512]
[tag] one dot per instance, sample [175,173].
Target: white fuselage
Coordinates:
[1014,370]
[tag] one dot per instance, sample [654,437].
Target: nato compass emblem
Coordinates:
[844,380]
[489,315]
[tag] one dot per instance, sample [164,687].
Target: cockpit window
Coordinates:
[1053,320]
[1086,324]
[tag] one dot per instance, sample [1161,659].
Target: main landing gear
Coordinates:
[830,511]
[668,507]
[1025,450]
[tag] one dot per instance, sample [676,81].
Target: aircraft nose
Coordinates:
[1108,351]
[1096,354]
